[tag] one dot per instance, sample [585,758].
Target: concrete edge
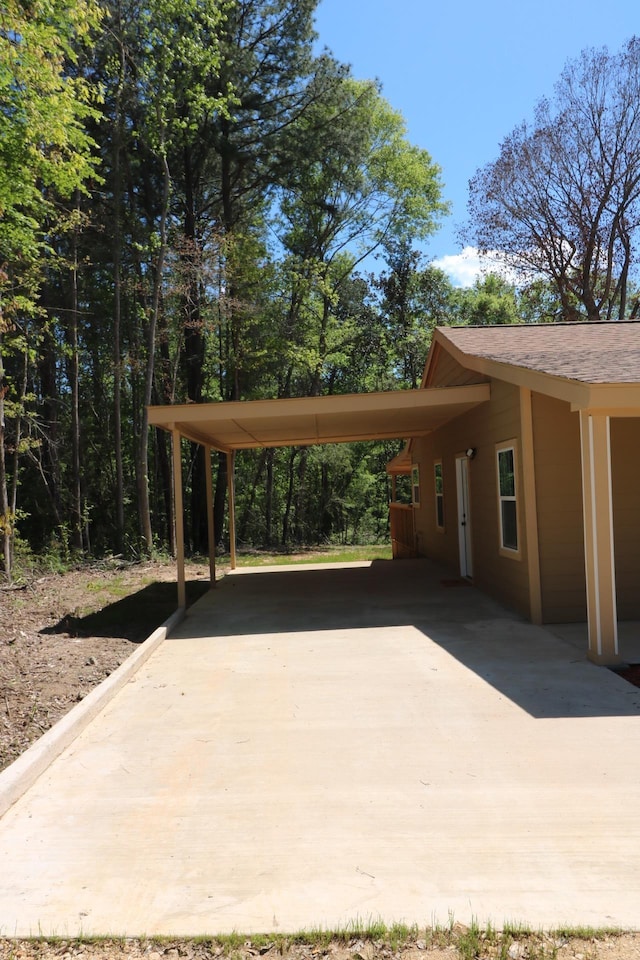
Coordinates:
[16,779]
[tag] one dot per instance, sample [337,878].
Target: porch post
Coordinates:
[179,519]
[231,464]
[530,506]
[210,523]
[600,569]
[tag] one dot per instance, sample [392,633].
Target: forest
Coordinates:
[196,205]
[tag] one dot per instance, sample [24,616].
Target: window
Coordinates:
[415,485]
[439,489]
[507,498]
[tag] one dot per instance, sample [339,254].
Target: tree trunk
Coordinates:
[301,521]
[50,422]
[194,351]
[6,520]
[117,303]
[249,498]
[268,500]
[220,498]
[74,380]
[286,519]
[13,497]
[142,472]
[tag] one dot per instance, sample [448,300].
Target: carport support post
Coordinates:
[210,523]
[179,517]
[600,571]
[231,482]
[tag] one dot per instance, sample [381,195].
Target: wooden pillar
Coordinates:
[600,570]
[210,523]
[179,512]
[530,506]
[231,481]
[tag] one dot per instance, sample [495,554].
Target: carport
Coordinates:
[243,425]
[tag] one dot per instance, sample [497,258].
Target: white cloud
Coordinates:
[464,268]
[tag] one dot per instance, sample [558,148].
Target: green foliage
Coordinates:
[414,299]
[491,300]
[44,144]
[206,187]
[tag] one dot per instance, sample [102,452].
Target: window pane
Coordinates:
[440,511]
[438,475]
[509,525]
[507,477]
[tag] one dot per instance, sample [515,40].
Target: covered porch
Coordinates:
[243,425]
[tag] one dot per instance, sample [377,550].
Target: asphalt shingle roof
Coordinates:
[586,352]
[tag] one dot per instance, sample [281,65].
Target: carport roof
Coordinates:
[300,421]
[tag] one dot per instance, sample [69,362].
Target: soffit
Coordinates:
[242,425]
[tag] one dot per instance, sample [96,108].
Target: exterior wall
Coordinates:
[558,477]
[559,506]
[625,460]
[560,511]
[503,577]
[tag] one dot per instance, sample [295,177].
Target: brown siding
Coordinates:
[625,459]
[556,440]
[489,423]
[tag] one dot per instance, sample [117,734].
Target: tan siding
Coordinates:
[490,423]
[556,439]
[447,372]
[625,458]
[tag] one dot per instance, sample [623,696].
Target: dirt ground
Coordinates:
[460,942]
[60,635]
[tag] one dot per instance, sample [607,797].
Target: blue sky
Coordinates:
[464,74]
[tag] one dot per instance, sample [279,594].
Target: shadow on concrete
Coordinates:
[134,617]
[541,673]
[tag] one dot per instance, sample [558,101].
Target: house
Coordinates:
[523,452]
[535,493]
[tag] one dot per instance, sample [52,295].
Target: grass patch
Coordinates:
[324,554]
[588,933]
[512,942]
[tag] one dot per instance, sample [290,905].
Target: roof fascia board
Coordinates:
[434,349]
[607,411]
[612,399]
[192,413]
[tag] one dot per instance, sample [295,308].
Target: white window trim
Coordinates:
[438,463]
[502,549]
[415,484]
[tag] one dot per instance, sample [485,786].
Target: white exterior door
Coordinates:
[464,517]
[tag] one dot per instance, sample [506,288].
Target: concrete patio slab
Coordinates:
[313,747]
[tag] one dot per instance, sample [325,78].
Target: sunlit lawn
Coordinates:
[322,554]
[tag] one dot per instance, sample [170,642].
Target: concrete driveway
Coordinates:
[318,746]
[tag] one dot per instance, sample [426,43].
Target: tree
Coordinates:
[45,154]
[491,300]
[159,63]
[413,300]
[367,186]
[563,198]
